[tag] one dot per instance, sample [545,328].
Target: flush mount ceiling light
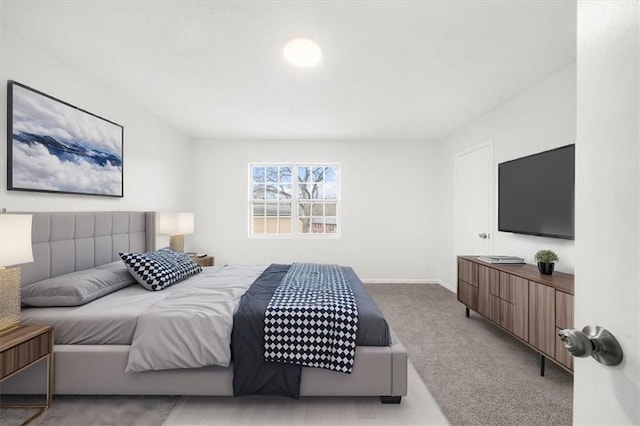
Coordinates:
[302,52]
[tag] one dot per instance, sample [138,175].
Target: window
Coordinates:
[293,199]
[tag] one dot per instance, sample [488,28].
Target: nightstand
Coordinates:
[22,348]
[203,261]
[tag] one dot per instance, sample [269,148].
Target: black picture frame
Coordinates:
[53,146]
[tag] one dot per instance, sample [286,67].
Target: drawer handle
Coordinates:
[592,340]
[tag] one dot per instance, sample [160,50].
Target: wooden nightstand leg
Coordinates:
[49,379]
[47,405]
[49,392]
[35,416]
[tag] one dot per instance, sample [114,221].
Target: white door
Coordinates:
[473,195]
[607,289]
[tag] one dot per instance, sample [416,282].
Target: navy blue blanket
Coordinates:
[251,374]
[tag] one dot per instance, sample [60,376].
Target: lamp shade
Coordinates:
[15,239]
[172,223]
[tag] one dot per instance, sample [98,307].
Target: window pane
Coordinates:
[285,225]
[313,191]
[285,192]
[258,225]
[330,209]
[284,209]
[285,174]
[258,191]
[317,225]
[304,225]
[304,174]
[258,209]
[271,192]
[304,209]
[318,193]
[271,209]
[330,174]
[317,210]
[330,225]
[272,174]
[317,174]
[304,191]
[330,191]
[271,225]
[258,174]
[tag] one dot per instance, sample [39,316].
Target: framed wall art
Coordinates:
[53,146]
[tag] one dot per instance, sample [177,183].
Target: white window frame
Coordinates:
[294,202]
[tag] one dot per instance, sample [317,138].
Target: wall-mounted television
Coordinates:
[536,194]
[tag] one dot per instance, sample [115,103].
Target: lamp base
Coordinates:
[9,299]
[176,243]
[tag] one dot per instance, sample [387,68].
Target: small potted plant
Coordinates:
[546,260]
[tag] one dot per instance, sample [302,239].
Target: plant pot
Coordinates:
[546,268]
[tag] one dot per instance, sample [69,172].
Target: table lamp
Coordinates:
[15,249]
[175,225]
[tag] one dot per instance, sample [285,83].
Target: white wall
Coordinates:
[541,118]
[388,206]
[156,157]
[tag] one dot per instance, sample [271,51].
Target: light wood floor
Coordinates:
[417,408]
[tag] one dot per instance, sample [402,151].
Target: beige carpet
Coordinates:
[478,374]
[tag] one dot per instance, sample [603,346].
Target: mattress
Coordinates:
[112,319]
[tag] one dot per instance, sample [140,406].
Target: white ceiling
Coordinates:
[390,69]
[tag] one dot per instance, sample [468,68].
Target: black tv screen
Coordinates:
[536,194]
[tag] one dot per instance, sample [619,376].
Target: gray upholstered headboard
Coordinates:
[65,242]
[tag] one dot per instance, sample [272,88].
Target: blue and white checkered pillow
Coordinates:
[159,269]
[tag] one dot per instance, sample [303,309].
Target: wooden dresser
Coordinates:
[530,306]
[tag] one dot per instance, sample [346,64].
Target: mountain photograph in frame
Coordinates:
[53,146]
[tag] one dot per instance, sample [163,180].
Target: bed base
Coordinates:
[99,370]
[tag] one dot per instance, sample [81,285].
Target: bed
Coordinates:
[92,353]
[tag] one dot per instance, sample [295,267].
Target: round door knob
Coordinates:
[576,342]
[592,340]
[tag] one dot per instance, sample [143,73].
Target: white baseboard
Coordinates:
[447,286]
[408,281]
[399,281]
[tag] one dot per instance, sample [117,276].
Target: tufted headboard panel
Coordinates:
[65,242]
